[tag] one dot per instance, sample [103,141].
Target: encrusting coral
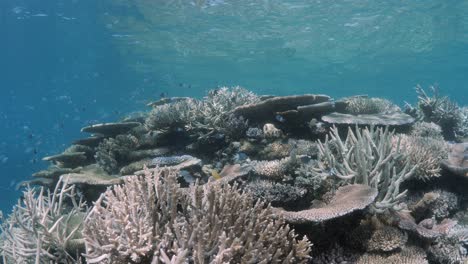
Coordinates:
[151,218]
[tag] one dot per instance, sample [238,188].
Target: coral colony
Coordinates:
[242,178]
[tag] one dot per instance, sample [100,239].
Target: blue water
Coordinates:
[65,64]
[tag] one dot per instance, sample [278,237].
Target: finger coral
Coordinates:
[151,219]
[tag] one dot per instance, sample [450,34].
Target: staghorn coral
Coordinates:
[181,114]
[461,131]
[425,153]
[45,227]
[233,126]
[367,157]
[211,113]
[152,219]
[365,105]
[438,109]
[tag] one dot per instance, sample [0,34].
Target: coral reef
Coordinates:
[170,225]
[215,180]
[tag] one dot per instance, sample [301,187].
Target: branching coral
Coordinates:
[367,157]
[450,249]
[214,112]
[44,227]
[427,130]
[180,114]
[365,105]
[438,109]
[114,150]
[462,128]
[425,153]
[151,218]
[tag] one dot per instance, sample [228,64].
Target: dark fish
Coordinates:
[30,136]
[163,95]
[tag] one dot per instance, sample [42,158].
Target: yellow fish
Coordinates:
[215,175]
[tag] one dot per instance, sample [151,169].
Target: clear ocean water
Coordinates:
[65,64]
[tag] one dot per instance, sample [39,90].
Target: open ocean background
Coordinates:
[65,64]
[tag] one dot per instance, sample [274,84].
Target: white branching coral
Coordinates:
[45,227]
[151,219]
[438,109]
[214,112]
[364,105]
[425,153]
[367,157]
[174,115]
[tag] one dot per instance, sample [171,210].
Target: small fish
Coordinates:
[280,118]
[215,175]
[163,95]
